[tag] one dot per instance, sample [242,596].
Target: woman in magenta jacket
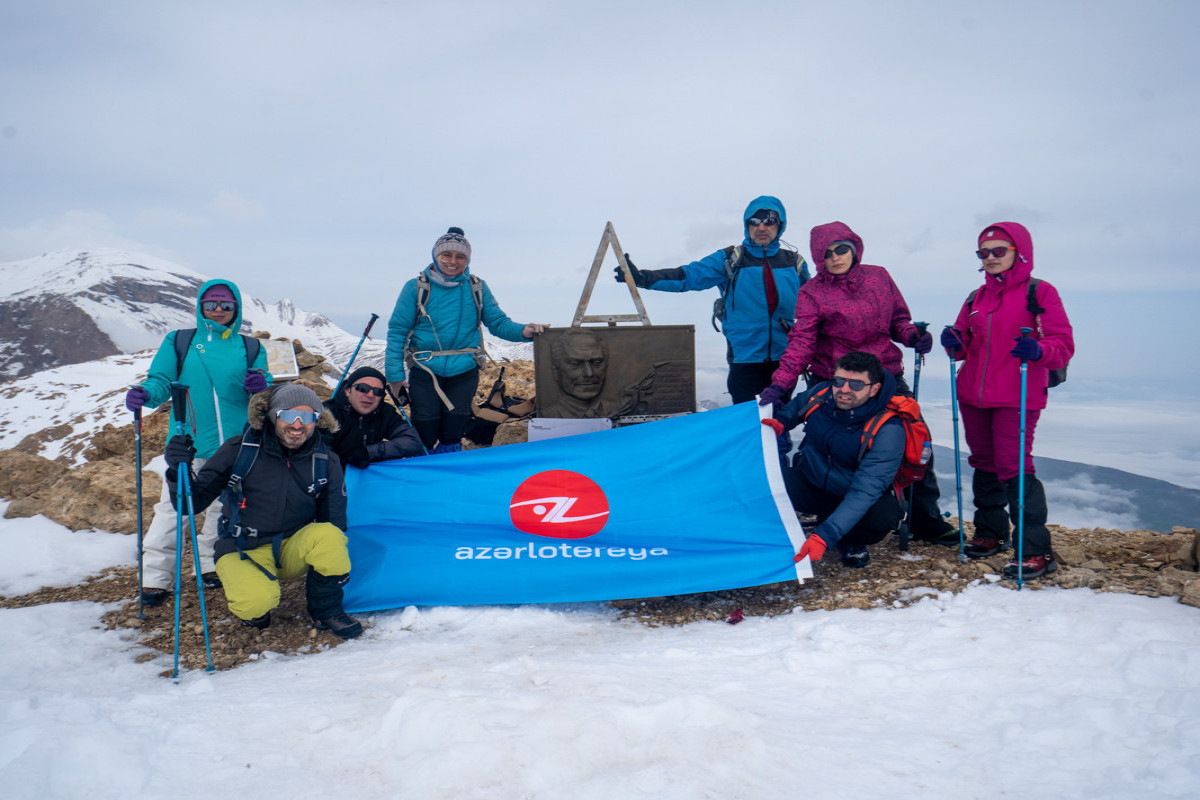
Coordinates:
[851,306]
[987,338]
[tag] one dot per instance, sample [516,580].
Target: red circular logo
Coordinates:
[559,504]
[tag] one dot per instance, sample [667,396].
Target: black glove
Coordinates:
[179,450]
[359,457]
[639,280]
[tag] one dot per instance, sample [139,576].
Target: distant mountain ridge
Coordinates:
[76,306]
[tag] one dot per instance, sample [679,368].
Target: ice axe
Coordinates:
[354,355]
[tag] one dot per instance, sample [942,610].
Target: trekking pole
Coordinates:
[962,554]
[137,450]
[354,355]
[918,359]
[1021,472]
[179,402]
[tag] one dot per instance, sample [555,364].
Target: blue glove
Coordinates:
[772,396]
[255,382]
[179,450]
[135,398]
[1027,349]
[951,340]
[921,342]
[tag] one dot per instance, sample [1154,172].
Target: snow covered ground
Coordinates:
[991,693]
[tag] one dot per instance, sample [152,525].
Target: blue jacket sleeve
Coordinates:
[401,323]
[497,321]
[696,276]
[874,476]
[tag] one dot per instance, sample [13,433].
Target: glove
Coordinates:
[772,396]
[1027,349]
[951,340]
[135,398]
[813,548]
[639,280]
[921,342]
[179,451]
[774,425]
[255,382]
[359,457]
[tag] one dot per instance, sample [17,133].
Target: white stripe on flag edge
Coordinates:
[783,504]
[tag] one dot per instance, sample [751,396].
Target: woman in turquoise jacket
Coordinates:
[435,343]
[220,379]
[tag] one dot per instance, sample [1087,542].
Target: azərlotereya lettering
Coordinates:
[556,551]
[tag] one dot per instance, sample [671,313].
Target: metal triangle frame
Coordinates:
[607,240]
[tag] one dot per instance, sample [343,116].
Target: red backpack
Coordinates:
[918,447]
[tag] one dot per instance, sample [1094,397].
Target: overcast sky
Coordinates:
[314,150]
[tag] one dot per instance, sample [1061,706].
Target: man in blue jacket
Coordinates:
[758,282]
[214,367]
[851,498]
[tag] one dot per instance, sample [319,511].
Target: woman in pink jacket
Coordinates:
[987,338]
[852,306]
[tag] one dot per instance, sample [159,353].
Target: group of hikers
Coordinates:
[265,462]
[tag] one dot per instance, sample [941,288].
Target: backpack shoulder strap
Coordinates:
[873,427]
[252,347]
[247,454]
[183,342]
[814,403]
[477,296]
[1031,301]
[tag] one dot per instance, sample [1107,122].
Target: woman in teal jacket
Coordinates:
[434,342]
[220,379]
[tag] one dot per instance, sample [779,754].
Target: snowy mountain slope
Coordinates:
[71,307]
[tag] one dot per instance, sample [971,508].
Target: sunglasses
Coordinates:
[840,250]
[363,388]
[855,383]
[289,416]
[770,219]
[218,305]
[995,252]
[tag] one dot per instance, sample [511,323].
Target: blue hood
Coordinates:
[770,203]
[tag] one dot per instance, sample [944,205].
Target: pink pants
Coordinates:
[993,436]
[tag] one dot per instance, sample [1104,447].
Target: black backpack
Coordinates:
[183,343]
[735,257]
[1056,376]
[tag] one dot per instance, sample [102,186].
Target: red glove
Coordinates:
[813,547]
[774,425]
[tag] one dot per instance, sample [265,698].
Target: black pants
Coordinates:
[433,421]
[881,519]
[745,381]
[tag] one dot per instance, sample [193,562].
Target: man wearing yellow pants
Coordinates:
[283,509]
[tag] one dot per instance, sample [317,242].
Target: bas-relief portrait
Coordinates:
[593,372]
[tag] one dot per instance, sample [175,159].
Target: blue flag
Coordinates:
[688,504]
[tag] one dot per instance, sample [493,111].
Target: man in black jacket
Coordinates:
[368,430]
[288,517]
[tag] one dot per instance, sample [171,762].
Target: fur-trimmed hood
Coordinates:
[261,402]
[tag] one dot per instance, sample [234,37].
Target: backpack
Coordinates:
[496,408]
[918,444]
[183,343]
[232,497]
[410,357]
[734,258]
[1056,376]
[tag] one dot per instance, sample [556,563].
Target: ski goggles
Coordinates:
[770,218]
[363,388]
[218,305]
[994,252]
[840,250]
[854,383]
[290,416]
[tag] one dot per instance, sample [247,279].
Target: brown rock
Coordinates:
[1191,594]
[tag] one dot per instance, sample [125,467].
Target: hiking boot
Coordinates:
[210,580]
[1031,567]
[936,531]
[856,557]
[152,596]
[262,623]
[340,624]
[982,547]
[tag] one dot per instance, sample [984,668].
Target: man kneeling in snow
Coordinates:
[851,498]
[287,515]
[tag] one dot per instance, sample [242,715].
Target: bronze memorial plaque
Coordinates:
[609,371]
